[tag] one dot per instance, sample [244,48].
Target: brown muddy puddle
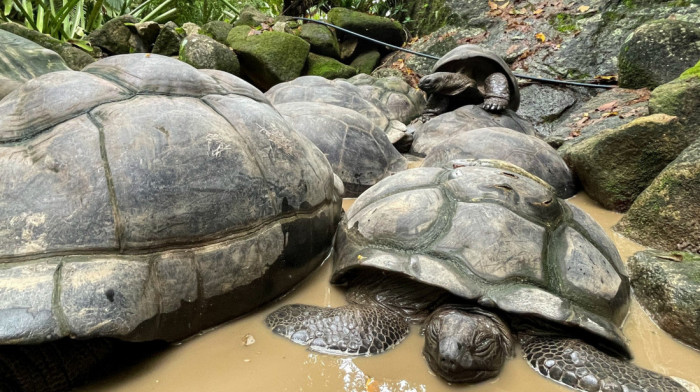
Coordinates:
[220,360]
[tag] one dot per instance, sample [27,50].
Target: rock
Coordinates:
[377,27]
[615,165]
[190,28]
[250,16]
[542,104]
[203,52]
[169,39]
[22,59]
[400,101]
[680,98]
[74,57]
[667,285]
[148,31]
[666,215]
[114,37]
[218,30]
[321,39]
[425,17]
[658,52]
[268,58]
[597,114]
[365,62]
[328,67]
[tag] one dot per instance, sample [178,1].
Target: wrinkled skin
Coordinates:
[466,345]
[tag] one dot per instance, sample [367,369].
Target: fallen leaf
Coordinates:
[360,257]
[540,37]
[575,133]
[673,257]
[537,11]
[504,5]
[493,5]
[586,114]
[583,8]
[582,121]
[609,114]
[371,385]
[608,106]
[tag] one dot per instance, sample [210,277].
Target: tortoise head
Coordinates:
[466,345]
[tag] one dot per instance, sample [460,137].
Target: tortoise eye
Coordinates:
[482,344]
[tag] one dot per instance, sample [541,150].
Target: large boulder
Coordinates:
[22,59]
[118,36]
[269,57]
[658,52]
[666,215]
[74,57]
[615,165]
[667,285]
[217,29]
[203,52]
[680,98]
[169,40]
[377,27]
[365,62]
[321,39]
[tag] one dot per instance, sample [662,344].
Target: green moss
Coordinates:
[612,17]
[691,72]
[328,67]
[565,23]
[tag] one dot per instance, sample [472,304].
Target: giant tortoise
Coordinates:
[353,133]
[142,199]
[486,255]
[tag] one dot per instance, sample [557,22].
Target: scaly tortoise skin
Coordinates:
[469,75]
[142,199]
[475,253]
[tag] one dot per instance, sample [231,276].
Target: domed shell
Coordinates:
[144,199]
[481,63]
[348,129]
[528,152]
[400,101]
[492,234]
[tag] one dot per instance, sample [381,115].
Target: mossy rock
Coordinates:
[74,57]
[377,27]
[169,39]
[322,40]
[203,52]
[658,52]
[615,165]
[250,16]
[116,37]
[667,285]
[366,62]
[269,57]
[667,214]
[327,67]
[680,97]
[218,30]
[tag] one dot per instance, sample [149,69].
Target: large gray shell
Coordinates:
[144,199]
[527,152]
[492,234]
[401,101]
[480,63]
[22,59]
[350,130]
[435,131]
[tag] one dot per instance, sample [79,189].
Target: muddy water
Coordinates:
[244,356]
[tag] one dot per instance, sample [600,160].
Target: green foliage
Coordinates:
[197,11]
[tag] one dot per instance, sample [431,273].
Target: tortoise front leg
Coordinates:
[437,104]
[496,93]
[583,367]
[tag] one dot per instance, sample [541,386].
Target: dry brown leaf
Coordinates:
[609,114]
[582,121]
[540,37]
[504,5]
[493,5]
[583,8]
[575,133]
[537,11]
[608,106]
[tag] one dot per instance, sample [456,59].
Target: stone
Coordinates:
[680,98]
[328,67]
[667,214]
[377,27]
[365,62]
[203,52]
[250,16]
[74,57]
[542,104]
[270,57]
[190,28]
[148,31]
[658,52]
[615,165]
[115,37]
[217,29]
[169,39]
[667,285]
[588,118]
[321,39]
